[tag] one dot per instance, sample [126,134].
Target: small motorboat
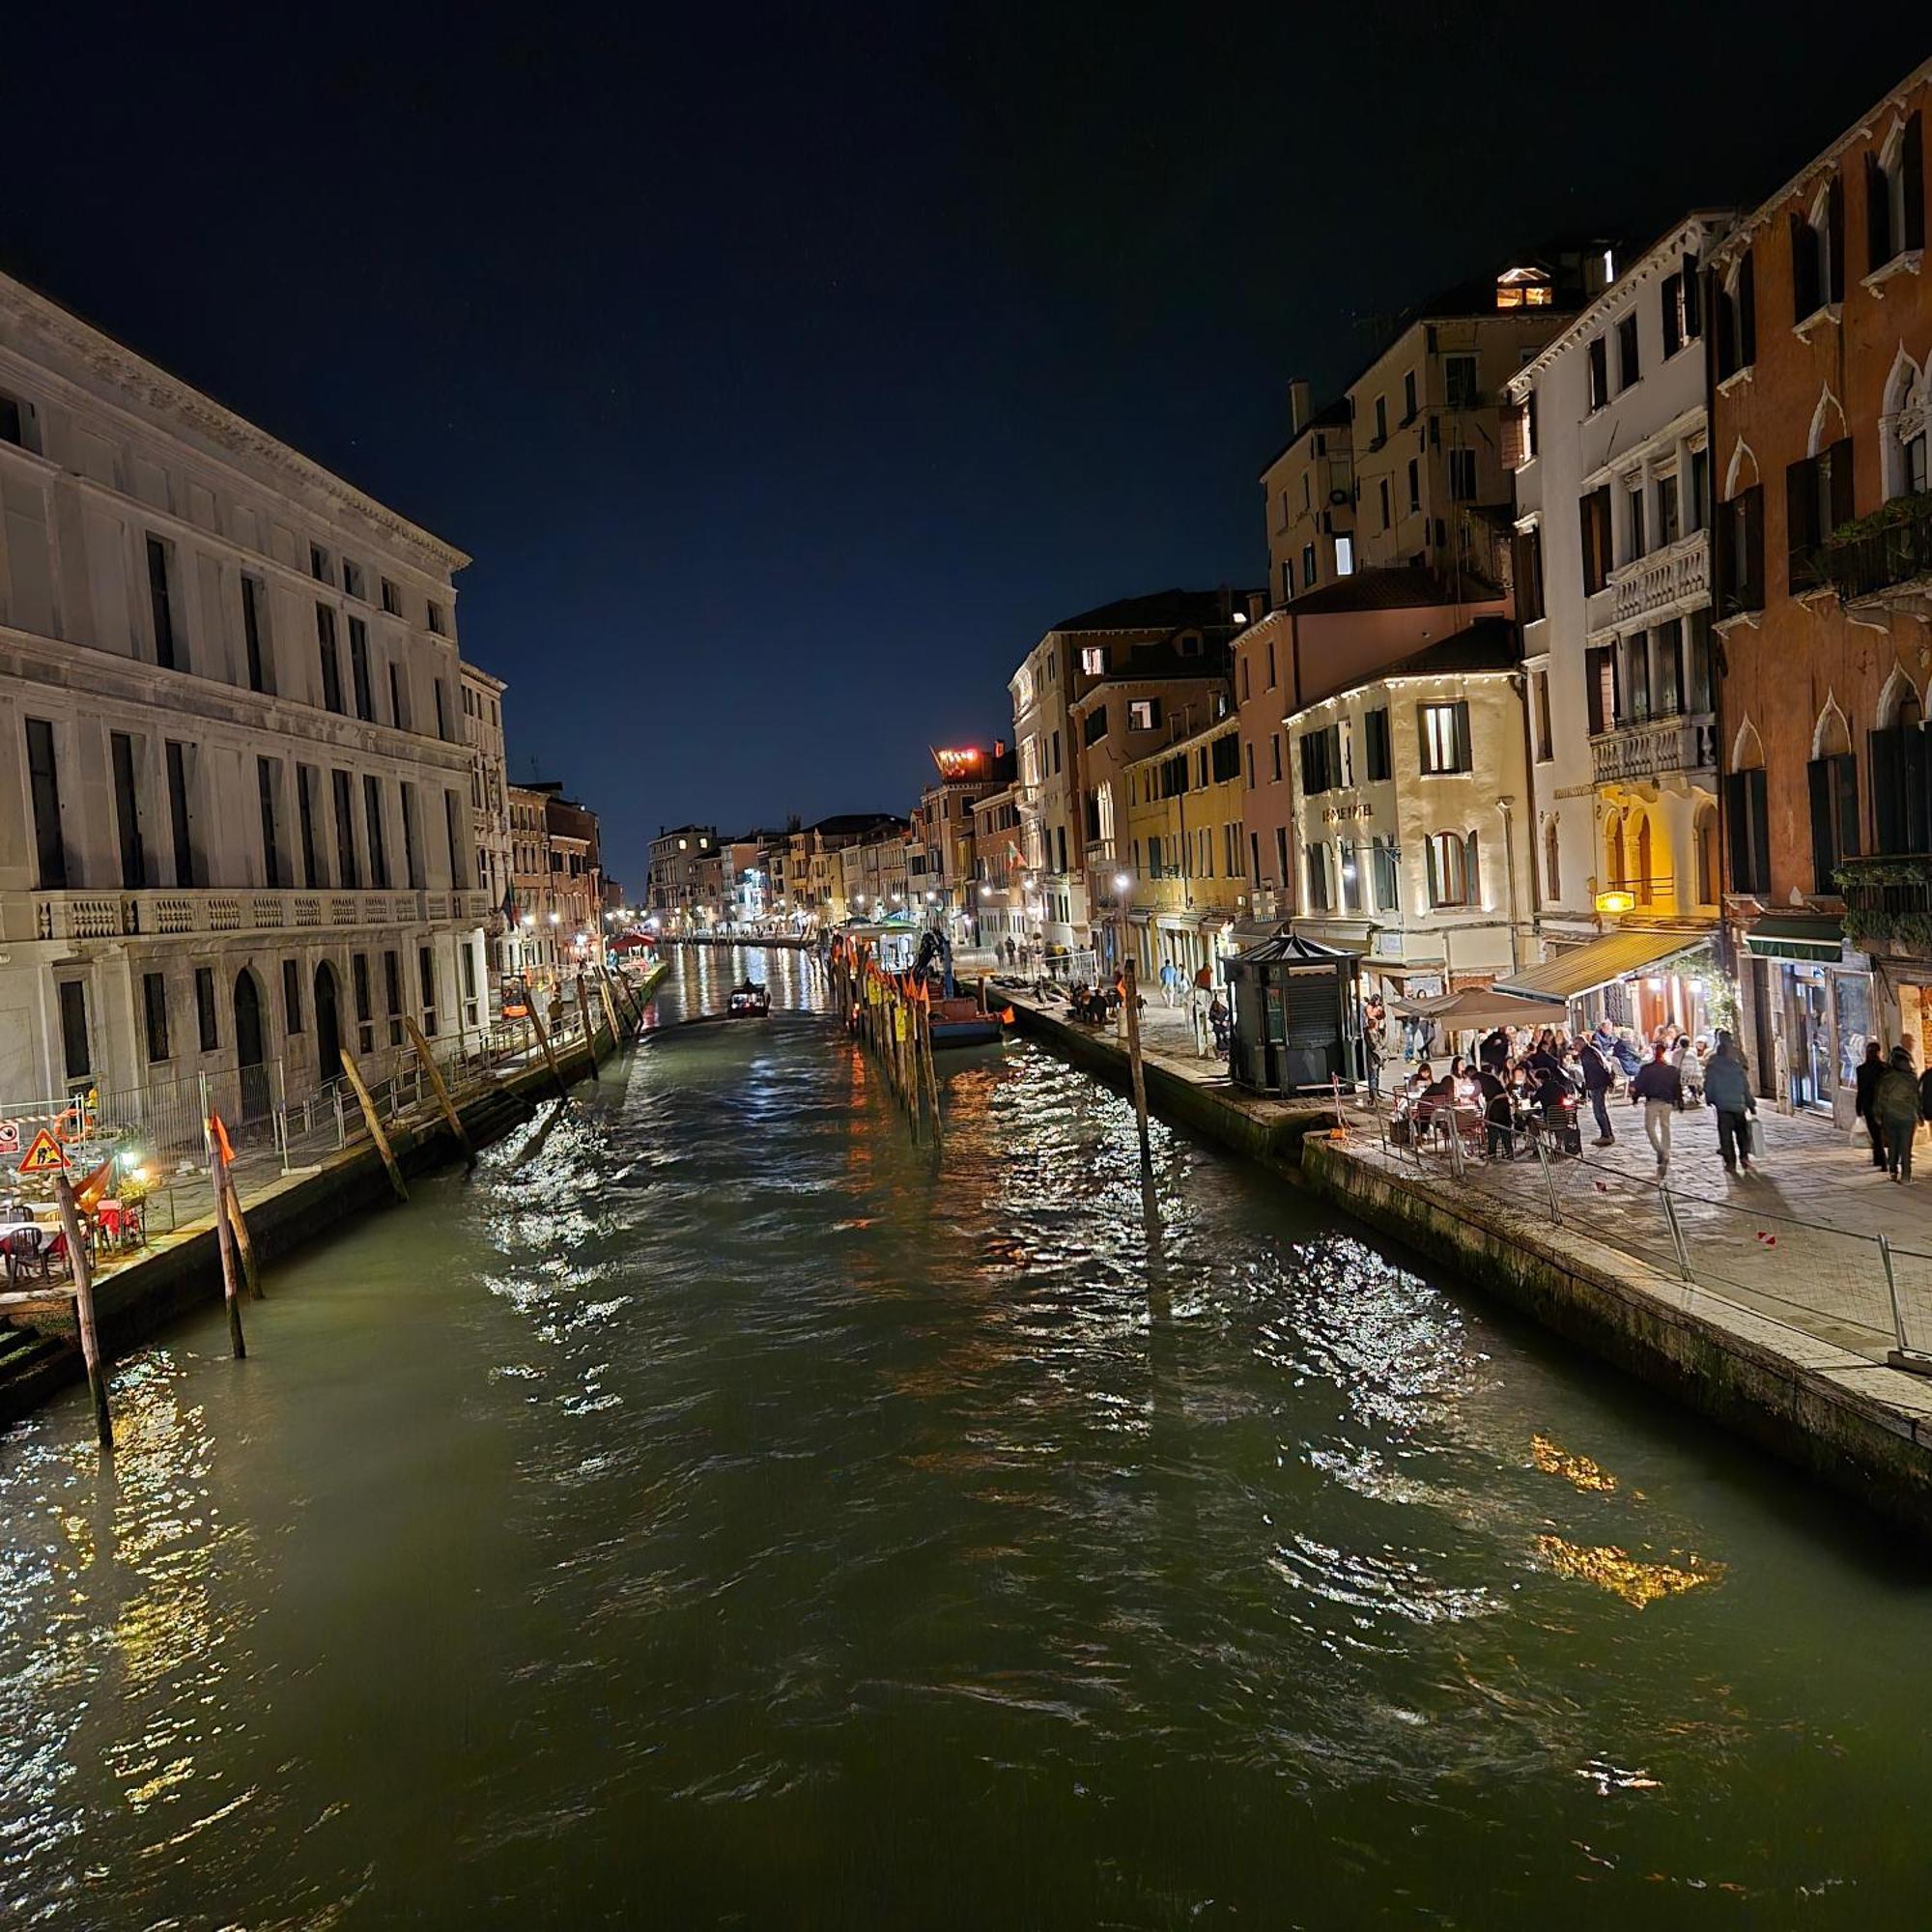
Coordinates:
[960,1023]
[748,1001]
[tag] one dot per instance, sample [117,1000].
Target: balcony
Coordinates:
[1888,901]
[1675,575]
[157,913]
[1888,551]
[1655,748]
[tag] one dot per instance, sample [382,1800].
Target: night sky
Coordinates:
[788,370]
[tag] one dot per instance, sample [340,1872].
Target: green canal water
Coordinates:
[742,1517]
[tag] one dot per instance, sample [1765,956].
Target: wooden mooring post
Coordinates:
[353,1074]
[441,1090]
[1131,1006]
[224,1234]
[84,1310]
[542,1033]
[244,1242]
[589,1031]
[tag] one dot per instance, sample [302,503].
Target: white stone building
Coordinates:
[235,836]
[490,808]
[1411,794]
[1613,594]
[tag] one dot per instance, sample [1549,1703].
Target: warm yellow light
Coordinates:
[1616,901]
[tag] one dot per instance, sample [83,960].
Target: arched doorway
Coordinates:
[251,1050]
[328,1025]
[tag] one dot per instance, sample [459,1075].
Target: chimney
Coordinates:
[1256,605]
[1297,406]
[999,747]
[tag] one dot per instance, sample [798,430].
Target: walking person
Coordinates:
[1169,982]
[1597,1078]
[1898,1112]
[1871,1071]
[1662,1093]
[1728,1090]
[1197,1003]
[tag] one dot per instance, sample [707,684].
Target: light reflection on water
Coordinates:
[732,1513]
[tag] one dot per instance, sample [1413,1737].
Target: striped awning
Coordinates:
[1612,955]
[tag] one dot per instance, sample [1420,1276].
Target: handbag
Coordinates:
[1756,1138]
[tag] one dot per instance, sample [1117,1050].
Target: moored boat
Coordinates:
[751,1001]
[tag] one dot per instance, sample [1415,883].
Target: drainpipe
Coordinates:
[1503,805]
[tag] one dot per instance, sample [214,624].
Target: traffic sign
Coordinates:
[45,1156]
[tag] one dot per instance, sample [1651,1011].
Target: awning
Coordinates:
[1477,1011]
[1613,955]
[1792,936]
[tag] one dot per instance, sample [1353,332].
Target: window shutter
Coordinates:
[1834,235]
[1724,559]
[1753,560]
[1692,320]
[1841,485]
[1593,691]
[1723,343]
[1472,878]
[1799,486]
[1422,736]
[1845,796]
[1912,158]
[1878,215]
[1824,856]
[1464,752]
[1884,752]
[1760,829]
[1915,786]
[1747,309]
[1737,830]
[1435,884]
[1673,336]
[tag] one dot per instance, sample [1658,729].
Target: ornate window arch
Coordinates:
[1613,851]
[1905,430]
[1747,749]
[1704,848]
[1900,707]
[1736,477]
[1832,736]
[1828,413]
[1641,867]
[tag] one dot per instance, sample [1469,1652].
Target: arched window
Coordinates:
[1613,851]
[1643,879]
[1833,777]
[1455,878]
[1704,837]
[1903,428]
[1895,195]
[1552,869]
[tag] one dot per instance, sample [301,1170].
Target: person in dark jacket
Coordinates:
[1597,1078]
[1495,1051]
[1898,1103]
[1499,1121]
[1871,1071]
[1662,1093]
[1728,1090]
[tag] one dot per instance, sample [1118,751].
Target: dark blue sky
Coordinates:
[788,370]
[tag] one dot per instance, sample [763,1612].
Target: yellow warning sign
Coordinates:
[45,1156]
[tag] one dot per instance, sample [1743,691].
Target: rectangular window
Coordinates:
[1459,383]
[1817,501]
[1382,496]
[308,783]
[1668,680]
[49,843]
[266,786]
[1255,857]
[379,850]
[468,959]
[1539,687]
[1635,505]
[181,815]
[1248,745]
[1528,557]
[331,664]
[1599,372]
[365,1018]
[291,996]
[127,812]
[1345,557]
[1593,517]
[204,1008]
[1698,504]
[1451,867]
[11,422]
[351,580]
[392,992]
[452,814]
[399,710]
[1093,660]
[426,975]
[1748,824]
[1834,816]
[1274,747]
[1462,475]
[1381,422]
[358,671]
[1669,524]
[318,563]
[1445,732]
[1142,715]
[1377,761]
[1629,368]
[76,1052]
[412,873]
[160,606]
[1737,320]
[1315,859]
[348,874]
[1386,876]
[1738,542]
[1414,483]
[252,596]
[393,599]
[1308,566]
[436,618]
[154,1012]
[1408,405]
[1282,874]
[1637,679]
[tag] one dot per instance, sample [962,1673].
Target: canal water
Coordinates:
[740,1515]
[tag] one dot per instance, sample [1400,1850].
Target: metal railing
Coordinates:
[1898,551]
[1850,1290]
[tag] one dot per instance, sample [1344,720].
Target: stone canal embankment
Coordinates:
[1829,1406]
[181,1272]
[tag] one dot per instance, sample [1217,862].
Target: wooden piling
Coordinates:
[224,1236]
[543,1041]
[1130,997]
[610,1011]
[353,1074]
[931,1072]
[589,1031]
[441,1090]
[84,1310]
[244,1242]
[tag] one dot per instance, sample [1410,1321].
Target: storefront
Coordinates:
[1643,978]
[1809,1005]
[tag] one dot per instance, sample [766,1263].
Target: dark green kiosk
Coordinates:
[1297,1017]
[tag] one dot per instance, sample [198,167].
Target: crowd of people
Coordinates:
[1530,1081]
